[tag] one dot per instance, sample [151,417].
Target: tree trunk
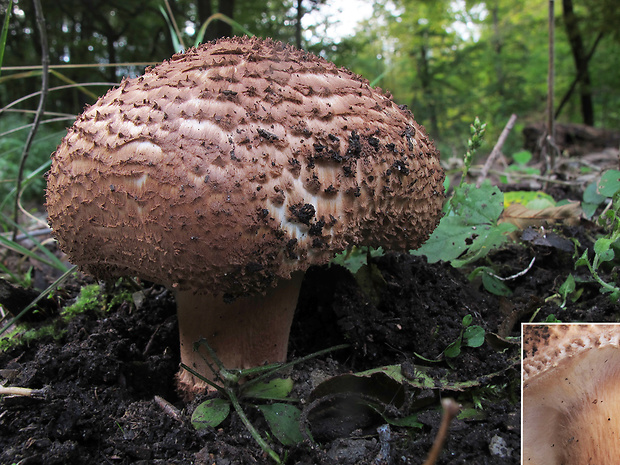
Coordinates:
[427,90]
[300,14]
[575,39]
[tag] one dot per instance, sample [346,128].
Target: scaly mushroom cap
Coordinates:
[237,163]
[571,394]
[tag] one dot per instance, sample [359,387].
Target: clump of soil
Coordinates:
[102,375]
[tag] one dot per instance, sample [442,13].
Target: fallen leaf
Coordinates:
[523,217]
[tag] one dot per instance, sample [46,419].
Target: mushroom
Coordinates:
[225,172]
[571,394]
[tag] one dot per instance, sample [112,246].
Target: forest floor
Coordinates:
[103,374]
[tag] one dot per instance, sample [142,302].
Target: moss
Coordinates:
[89,299]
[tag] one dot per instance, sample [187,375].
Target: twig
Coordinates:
[84,65]
[516,275]
[22,392]
[497,149]
[168,408]
[450,411]
[45,60]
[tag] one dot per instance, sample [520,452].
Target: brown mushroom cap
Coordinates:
[236,164]
[571,394]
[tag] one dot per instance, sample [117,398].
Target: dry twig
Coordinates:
[450,411]
[496,150]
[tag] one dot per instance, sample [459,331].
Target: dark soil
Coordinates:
[101,377]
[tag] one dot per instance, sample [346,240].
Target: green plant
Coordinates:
[260,384]
[567,290]
[367,275]
[11,147]
[5,31]
[177,37]
[470,228]
[606,246]
[88,299]
[471,336]
[519,165]
[477,130]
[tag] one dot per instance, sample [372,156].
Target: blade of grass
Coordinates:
[5,31]
[41,169]
[10,274]
[221,17]
[54,261]
[176,38]
[43,294]
[20,249]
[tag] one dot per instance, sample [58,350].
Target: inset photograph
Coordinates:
[571,394]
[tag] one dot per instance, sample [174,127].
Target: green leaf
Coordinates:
[355,258]
[210,413]
[489,238]
[609,183]
[602,248]
[523,157]
[470,230]
[454,349]
[410,421]
[283,420]
[568,287]
[589,209]
[467,320]
[583,260]
[448,241]
[478,205]
[495,286]
[473,336]
[275,389]
[591,194]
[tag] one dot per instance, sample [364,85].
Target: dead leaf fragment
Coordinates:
[523,217]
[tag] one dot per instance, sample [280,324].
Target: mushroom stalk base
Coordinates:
[244,333]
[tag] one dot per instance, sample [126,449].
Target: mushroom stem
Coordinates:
[244,333]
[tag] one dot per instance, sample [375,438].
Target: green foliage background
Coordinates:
[448,60]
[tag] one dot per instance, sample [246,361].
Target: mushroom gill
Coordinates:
[571,394]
